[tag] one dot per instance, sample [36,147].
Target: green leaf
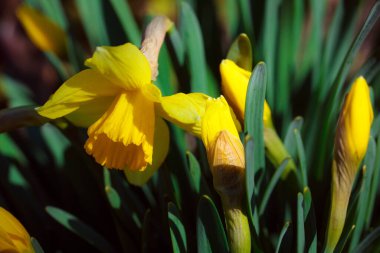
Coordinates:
[76,226]
[177,230]
[36,245]
[17,93]
[282,234]
[254,107]
[146,231]
[195,53]
[269,40]
[91,13]
[250,181]
[272,184]
[9,149]
[245,10]
[300,225]
[195,172]
[310,222]
[364,194]
[368,241]
[125,16]
[344,239]
[330,43]
[178,46]
[240,52]
[54,10]
[301,157]
[290,141]
[374,185]
[211,236]
[56,142]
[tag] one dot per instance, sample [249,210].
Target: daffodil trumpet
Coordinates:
[234,86]
[13,235]
[116,99]
[350,145]
[225,154]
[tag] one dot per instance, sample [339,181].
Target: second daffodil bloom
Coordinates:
[351,141]
[13,236]
[115,99]
[234,86]
[225,154]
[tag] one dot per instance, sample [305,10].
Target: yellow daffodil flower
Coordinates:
[234,86]
[225,154]
[13,236]
[351,141]
[116,100]
[43,32]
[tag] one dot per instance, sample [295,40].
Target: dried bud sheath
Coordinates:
[154,36]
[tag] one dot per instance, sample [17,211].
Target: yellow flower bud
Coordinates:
[234,85]
[355,122]
[13,236]
[225,154]
[42,31]
[351,141]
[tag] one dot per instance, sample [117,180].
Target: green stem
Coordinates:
[276,151]
[340,196]
[238,232]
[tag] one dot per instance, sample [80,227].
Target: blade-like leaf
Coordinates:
[76,226]
[211,236]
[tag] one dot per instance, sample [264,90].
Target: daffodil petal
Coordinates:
[160,151]
[10,224]
[90,112]
[217,118]
[185,110]
[123,65]
[6,244]
[357,118]
[43,32]
[83,87]
[16,233]
[123,136]
[234,86]
[152,92]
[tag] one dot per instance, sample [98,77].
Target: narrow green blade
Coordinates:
[300,225]
[254,107]
[92,15]
[282,234]
[195,52]
[290,141]
[301,157]
[125,16]
[272,184]
[76,226]
[177,229]
[36,245]
[368,241]
[211,236]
